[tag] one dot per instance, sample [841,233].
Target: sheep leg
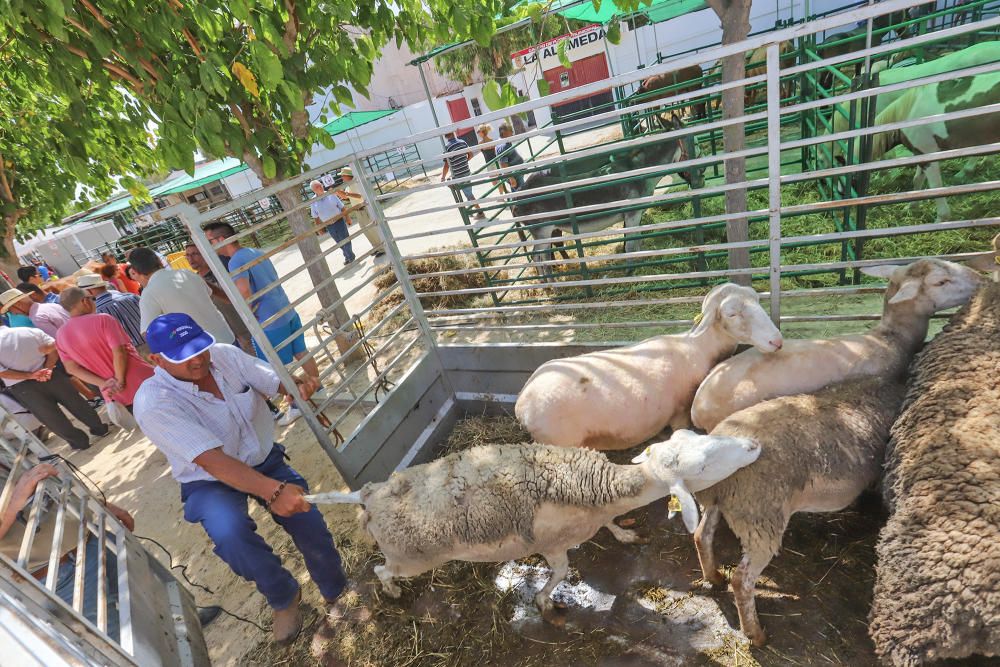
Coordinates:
[704,538]
[744,585]
[559,562]
[624,535]
[385,575]
[681,419]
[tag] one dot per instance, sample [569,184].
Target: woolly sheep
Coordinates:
[818,453]
[915,292]
[937,591]
[496,503]
[616,399]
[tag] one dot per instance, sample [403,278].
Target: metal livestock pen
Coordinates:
[409,344]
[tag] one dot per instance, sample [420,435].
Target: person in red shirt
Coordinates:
[126,282]
[95,348]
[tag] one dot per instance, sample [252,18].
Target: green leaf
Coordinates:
[326,140]
[491,95]
[270,168]
[240,9]
[563,57]
[343,95]
[543,87]
[597,5]
[614,33]
[269,69]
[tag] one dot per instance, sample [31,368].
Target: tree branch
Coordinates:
[97,14]
[5,190]
[291,26]
[238,114]
[194,44]
[79,26]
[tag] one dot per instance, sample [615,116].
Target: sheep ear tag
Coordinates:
[641,458]
[688,506]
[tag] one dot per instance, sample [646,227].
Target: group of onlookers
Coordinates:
[502,155]
[170,355]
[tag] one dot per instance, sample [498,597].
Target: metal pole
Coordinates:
[774,177]
[430,101]
[395,257]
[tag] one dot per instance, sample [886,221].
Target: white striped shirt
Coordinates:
[185,422]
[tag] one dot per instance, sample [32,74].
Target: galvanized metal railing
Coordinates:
[130,611]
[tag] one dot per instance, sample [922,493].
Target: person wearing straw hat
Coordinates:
[48,317]
[204,409]
[328,211]
[28,366]
[350,192]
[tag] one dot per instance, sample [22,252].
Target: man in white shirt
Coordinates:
[28,367]
[176,291]
[204,409]
[328,210]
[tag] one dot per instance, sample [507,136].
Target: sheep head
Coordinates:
[688,463]
[737,311]
[928,285]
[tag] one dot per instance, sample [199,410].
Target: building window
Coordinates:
[216,190]
[476,110]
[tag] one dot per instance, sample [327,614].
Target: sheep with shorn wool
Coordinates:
[915,292]
[615,399]
[818,453]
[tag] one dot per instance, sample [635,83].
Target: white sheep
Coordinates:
[818,453]
[502,502]
[615,399]
[915,292]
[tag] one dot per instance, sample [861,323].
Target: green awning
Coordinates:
[209,173]
[658,11]
[353,119]
[203,175]
[583,10]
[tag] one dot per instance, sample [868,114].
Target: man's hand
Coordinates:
[307,385]
[27,484]
[290,501]
[42,375]
[112,386]
[122,515]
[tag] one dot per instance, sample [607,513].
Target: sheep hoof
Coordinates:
[555,615]
[758,638]
[716,582]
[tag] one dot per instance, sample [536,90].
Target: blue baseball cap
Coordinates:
[177,337]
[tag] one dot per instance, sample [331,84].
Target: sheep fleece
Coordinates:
[487,493]
[937,592]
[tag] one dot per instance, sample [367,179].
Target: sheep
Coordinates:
[818,453]
[915,292]
[937,587]
[496,503]
[616,399]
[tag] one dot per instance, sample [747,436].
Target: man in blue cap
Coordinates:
[204,409]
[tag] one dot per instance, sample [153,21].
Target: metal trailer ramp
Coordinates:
[157,617]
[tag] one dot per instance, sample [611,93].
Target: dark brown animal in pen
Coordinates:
[937,591]
[686,80]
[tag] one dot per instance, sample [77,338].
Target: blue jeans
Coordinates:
[67,573]
[338,231]
[222,512]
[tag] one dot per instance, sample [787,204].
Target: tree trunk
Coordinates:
[8,256]
[300,222]
[735,17]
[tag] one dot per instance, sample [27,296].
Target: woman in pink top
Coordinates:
[95,348]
